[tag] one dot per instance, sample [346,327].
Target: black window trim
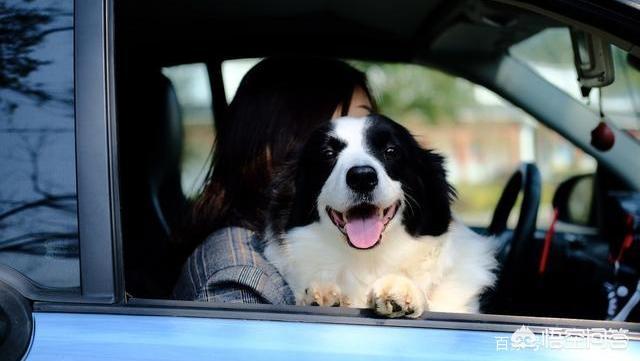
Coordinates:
[94,142]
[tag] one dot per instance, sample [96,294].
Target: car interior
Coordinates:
[588,258]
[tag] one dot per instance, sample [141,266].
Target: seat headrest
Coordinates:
[164,131]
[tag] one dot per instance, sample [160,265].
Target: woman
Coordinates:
[278,103]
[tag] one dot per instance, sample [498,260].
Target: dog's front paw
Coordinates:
[397,296]
[322,294]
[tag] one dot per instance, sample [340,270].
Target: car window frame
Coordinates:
[96,152]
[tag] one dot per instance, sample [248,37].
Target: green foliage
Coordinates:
[411,91]
[551,47]
[627,82]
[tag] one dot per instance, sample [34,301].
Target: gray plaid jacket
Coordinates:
[228,267]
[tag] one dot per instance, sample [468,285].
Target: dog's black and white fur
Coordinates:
[362,219]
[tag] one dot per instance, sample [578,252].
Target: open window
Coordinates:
[485,128]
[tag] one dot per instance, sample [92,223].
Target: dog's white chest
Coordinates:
[449,271]
[313,256]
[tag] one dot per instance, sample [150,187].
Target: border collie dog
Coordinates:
[362,218]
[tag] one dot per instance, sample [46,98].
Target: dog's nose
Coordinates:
[362,178]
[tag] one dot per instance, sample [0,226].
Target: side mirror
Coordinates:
[593,60]
[574,200]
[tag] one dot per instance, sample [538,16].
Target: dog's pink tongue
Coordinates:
[364,232]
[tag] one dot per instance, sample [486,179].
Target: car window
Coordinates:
[38,203]
[483,137]
[192,87]
[550,54]
[232,73]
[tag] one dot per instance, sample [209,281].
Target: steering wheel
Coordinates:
[512,249]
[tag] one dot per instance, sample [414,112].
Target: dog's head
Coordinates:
[361,176]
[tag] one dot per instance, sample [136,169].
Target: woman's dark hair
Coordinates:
[278,103]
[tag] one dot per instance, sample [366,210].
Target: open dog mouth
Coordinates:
[363,224]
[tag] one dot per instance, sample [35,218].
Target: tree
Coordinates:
[404,90]
[23,28]
[38,206]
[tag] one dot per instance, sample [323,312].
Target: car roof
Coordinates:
[401,30]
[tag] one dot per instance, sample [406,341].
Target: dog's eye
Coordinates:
[390,152]
[329,153]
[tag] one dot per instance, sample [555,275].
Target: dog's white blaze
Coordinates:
[450,270]
[350,130]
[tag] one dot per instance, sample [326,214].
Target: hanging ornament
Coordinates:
[602,137]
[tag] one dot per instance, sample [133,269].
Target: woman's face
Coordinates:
[360,105]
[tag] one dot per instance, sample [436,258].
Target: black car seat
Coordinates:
[153,204]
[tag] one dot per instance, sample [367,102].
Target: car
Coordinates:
[102,137]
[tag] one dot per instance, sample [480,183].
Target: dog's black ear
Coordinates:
[428,212]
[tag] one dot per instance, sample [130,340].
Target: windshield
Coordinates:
[550,54]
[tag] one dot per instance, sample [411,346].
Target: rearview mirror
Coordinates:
[593,60]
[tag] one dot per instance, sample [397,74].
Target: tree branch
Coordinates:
[30,238]
[54,30]
[44,202]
